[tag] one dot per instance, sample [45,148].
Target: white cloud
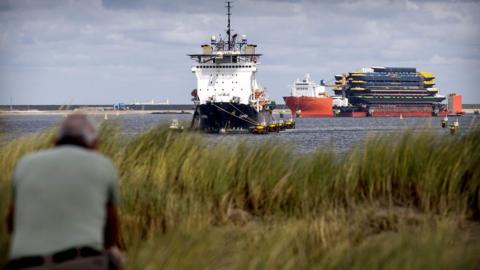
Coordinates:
[437,59]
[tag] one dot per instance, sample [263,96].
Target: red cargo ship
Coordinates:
[308,99]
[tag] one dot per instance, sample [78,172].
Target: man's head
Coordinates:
[77,129]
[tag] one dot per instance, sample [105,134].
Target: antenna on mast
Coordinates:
[228,24]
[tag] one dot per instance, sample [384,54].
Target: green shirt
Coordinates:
[60,198]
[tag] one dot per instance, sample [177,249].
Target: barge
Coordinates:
[389,91]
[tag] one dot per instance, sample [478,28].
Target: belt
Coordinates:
[57,257]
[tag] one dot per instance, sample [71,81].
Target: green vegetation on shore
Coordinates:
[407,201]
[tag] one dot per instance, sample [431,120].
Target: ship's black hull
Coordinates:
[218,116]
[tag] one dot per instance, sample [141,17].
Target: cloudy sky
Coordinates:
[94,52]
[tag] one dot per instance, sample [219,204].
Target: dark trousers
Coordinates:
[74,258]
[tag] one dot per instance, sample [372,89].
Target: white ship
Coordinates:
[228,96]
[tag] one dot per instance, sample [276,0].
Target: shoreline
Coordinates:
[139,112]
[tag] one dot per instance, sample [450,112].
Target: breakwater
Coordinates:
[136,107]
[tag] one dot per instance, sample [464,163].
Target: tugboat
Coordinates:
[228,96]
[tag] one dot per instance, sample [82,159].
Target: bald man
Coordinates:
[64,204]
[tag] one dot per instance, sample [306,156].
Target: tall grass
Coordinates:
[404,201]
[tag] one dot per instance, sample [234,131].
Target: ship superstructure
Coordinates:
[228,95]
[309,99]
[389,91]
[308,88]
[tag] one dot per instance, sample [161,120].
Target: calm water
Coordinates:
[310,133]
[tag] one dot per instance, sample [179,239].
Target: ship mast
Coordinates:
[228,25]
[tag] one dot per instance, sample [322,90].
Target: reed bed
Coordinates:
[406,201]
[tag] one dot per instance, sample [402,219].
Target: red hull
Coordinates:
[310,106]
[404,111]
[352,114]
[404,114]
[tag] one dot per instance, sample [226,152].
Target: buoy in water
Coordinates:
[401,117]
[272,127]
[454,127]
[259,129]
[444,122]
[105,117]
[290,124]
[281,125]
